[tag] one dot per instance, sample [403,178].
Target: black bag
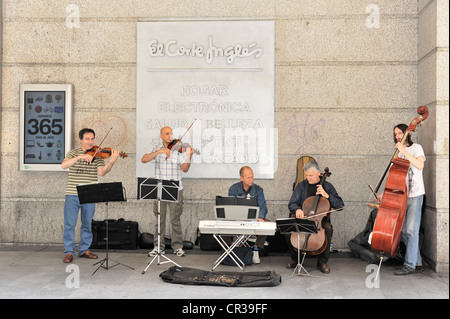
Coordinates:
[207,242]
[148,241]
[277,243]
[122,234]
[190,276]
[245,254]
[359,245]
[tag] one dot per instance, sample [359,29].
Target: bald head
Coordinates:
[165,129]
[166,135]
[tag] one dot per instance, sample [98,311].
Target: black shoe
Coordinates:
[292,264]
[323,268]
[405,270]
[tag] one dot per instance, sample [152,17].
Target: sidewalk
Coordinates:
[38,272]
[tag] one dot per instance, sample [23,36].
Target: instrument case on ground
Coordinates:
[122,234]
[191,276]
[207,242]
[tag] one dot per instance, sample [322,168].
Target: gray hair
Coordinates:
[311,165]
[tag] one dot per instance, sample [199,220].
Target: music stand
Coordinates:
[99,193]
[159,190]
[288,226]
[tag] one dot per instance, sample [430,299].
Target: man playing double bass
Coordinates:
[311,187]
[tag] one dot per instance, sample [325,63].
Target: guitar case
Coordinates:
[300,172]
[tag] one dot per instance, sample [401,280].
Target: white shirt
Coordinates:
[169,168]
[415,177]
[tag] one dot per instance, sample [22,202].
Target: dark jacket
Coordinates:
[255,190]
[301,193]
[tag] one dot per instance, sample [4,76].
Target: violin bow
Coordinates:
[188,128]
[98,148]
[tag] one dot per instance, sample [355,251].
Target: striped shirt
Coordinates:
[81,172]
[169,169]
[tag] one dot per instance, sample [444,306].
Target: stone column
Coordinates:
[433,62]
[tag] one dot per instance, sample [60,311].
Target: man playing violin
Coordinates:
[169,165]
[311,187]
[83,168]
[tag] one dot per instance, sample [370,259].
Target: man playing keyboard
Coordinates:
[245,188]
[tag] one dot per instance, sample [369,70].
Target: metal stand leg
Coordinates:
[106,259]
[379,267]
[158,249]
[299,266]
[228,250]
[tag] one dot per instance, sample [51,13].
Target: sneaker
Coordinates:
[154,252]
[179,252]
[255,258]
[405,270]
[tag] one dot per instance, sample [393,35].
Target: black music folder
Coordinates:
[296,225]
[101,192]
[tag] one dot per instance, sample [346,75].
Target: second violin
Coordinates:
[178,145]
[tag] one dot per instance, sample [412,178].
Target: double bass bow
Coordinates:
[388,225]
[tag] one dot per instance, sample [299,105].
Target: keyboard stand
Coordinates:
[228,249]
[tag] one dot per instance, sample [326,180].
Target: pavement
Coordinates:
[30,272]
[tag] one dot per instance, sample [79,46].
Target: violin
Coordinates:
[388,225]
[102,152]
[178,145]
[314,208]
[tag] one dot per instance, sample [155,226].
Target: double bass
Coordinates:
[388,225]
[314,207]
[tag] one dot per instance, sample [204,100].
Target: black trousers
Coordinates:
[322,257]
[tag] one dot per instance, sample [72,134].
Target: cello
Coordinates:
[314,208]
[388,225]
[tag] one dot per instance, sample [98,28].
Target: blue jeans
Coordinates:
[410,231]
[71,208]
